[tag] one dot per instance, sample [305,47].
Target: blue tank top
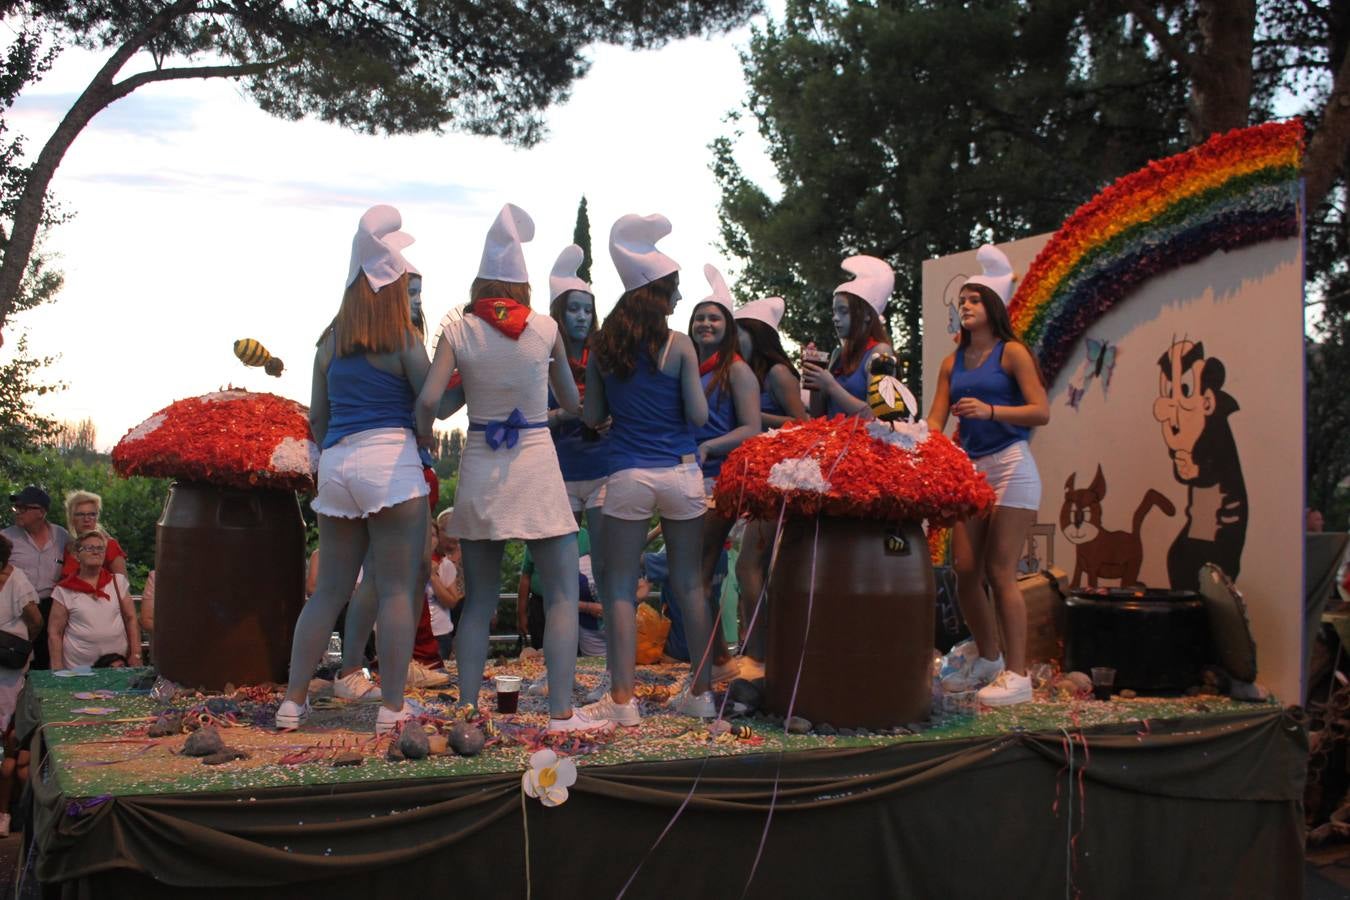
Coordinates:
[855,384]
[649,429]
[581,458]
[362,397]
[721,419]
[768,403]
[990,384]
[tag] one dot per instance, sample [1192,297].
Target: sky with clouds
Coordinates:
[197,219]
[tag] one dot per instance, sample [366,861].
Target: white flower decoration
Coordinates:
[905,435]
[800,474]
[549,777]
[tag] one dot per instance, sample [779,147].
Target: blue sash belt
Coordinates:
[505,433]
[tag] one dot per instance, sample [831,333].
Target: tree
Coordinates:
[449,446]
[917,129]
[914,129]
[488,67]
[77,439]
[581,236]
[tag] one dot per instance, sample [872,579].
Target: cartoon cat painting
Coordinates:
[1103,553]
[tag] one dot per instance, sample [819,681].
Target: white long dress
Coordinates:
[517,492]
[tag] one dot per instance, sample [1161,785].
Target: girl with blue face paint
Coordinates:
[841,387]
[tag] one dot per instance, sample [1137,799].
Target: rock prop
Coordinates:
[168,723]
[348,758]
[203,742]
[466,739]
[412,741]
[798,725]
[223,756]
[750,693]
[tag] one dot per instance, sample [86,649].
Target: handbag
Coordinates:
[14,650]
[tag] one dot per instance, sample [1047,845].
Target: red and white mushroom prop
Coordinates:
[232,438]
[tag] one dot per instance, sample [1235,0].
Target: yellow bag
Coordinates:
[652,628]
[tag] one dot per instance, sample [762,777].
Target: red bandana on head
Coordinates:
[503,314]
[76,583]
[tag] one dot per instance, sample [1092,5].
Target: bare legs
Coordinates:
[715,531]
[987,550]
[394,536]
[750,568]
[555,561]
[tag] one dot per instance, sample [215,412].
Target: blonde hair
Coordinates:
[93,532]
[76,498]
[371,321]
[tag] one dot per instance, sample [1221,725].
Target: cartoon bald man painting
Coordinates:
[1193,410]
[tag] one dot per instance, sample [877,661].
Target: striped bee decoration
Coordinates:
[252,353]
[886,393]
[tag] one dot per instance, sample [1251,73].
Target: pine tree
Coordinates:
[581,236]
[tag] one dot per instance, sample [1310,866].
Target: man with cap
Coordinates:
[39,547]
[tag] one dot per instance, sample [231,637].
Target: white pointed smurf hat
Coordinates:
[377,248]
[632,246]
[873,280]
[503,256]
[564,278]
[768,310]
[997,272]
[720,293]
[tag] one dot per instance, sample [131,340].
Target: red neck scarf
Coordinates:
[78,584]
[711,363]
[579,370]
[503,314]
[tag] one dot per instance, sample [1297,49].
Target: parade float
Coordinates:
[230,544]
[851,594]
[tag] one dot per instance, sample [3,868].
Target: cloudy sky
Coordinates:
[199,220]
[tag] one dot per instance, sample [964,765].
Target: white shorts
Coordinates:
[675,493]
[587,494]
[1013,476]
[365,472]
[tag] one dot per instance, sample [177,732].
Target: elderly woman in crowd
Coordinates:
[92,611]
[83,509]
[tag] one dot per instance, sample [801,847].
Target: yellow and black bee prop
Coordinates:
[886,394]
[252,353]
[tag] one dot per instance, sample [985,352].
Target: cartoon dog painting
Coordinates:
[1193,410]
[1102,553]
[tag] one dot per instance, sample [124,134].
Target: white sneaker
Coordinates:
[1008,689]
[291,715]
[699,706]
[356,687]
[980,672]
[580,720]
[607,708]
[600,690]
[420,676]
[387,720]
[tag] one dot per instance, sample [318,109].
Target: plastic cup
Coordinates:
[1103,680]
[508,693]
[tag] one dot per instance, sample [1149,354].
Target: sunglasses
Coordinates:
[24,507]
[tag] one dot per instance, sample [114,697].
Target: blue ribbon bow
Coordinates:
[507,433]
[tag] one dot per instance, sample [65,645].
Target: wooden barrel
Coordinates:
[868,657]
[229,585]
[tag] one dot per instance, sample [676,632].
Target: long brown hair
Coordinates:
[637,323]
[996,313]
[766,349]
[371,321]
[492,289]
[863,323]
[726,351]
[557,310]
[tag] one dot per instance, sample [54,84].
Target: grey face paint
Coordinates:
[840,316]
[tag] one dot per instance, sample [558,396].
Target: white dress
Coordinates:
[517,492]
[15,594]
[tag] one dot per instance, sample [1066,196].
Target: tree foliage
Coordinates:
[907,130]
[581,236]
[488,67]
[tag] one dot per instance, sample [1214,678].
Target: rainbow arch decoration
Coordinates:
[1235,189]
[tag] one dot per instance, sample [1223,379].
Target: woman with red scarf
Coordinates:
[733,395]
[510,486]
[841,387]
[92,612]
